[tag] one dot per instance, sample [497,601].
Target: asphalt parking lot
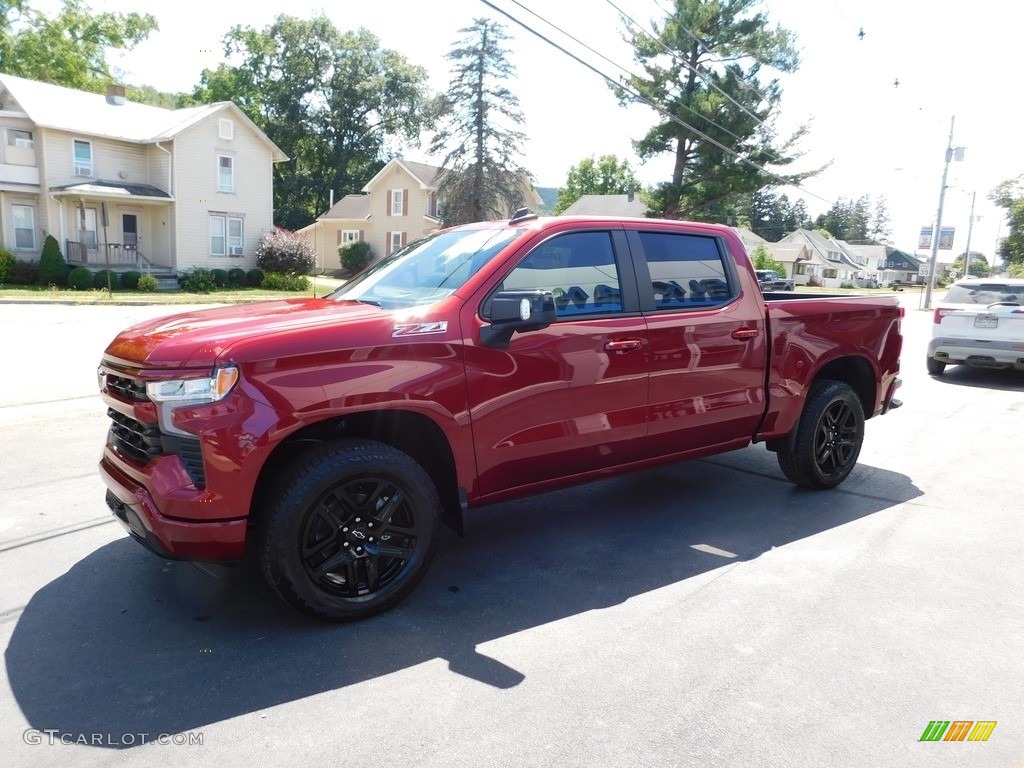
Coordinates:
[701,614]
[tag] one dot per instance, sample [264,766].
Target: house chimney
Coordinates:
[332,200]
[629,193]
[116,95]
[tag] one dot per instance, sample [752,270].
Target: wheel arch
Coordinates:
[854,371]
[413,433]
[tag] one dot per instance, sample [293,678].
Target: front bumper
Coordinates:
[988,354]
[134,507]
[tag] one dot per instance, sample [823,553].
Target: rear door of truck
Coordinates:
[707,333]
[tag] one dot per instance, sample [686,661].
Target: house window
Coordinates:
[226,129]
[19,138]
[24,227]
[227,235]
[225,173]
[396,240]
[397,202]
[348,236]
[83,158]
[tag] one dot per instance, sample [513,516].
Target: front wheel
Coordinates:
[828,439]
[349,530]
[935,367]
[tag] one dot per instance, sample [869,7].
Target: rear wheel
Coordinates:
[829,437]
[349,530]
[935,367]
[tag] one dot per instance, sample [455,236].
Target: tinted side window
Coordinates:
[578,268]
[687,271]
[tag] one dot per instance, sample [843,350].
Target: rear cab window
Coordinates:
[686,271]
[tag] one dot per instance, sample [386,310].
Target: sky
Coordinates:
[955,64]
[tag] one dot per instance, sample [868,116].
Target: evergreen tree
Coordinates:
[1010,196]
[480,177]
[702,67]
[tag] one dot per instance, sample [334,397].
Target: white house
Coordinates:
[131,185]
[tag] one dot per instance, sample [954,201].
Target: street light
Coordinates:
[952,153]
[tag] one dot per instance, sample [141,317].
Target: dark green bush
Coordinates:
[254,278]
[197,280]
[275,281]
[80,278]
[355,255]
[130,279]
[52,268]
[220,277]
[6,264]
[236,277]
[285,252]
[147,283]
[99,280]
[24,273]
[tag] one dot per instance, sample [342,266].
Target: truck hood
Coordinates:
[198,339]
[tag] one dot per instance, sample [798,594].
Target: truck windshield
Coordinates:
[427,270]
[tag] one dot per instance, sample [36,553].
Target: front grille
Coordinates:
[127,389]
[140,442]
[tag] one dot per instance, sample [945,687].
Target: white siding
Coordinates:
[110,158]
[195,190]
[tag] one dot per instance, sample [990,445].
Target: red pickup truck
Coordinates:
[328,438]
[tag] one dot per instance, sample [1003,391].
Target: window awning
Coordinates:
[113,190]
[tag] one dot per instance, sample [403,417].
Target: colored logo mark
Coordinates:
[958,730]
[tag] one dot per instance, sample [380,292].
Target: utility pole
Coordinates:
[936,232]
[970,228]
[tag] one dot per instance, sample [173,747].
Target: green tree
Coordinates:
[1010,196]
[702,67]
[52,268]
[605,176]
[855,221]
[979,264]
[69,49]
[337,103]
[480,177]
[763,259]
[772,216]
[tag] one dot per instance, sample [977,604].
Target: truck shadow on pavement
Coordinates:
[125,643]
[982,378]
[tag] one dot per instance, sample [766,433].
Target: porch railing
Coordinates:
[114,254]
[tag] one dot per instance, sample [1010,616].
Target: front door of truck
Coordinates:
[570,398]
[708,345]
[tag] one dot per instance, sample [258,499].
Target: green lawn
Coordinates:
[319,286]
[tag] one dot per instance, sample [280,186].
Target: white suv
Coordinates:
[979,322]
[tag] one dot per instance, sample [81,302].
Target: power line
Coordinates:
[621,68]
[652,105]
[689,66]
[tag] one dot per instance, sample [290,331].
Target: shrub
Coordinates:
[285,252]
[130,279]
[275,281]
[99,280]
[355,255]
[147,283]
[220,277]
[236,277]
[197,280]
[80,279]
[254,277]
[52,268]
[6,264]
[24,273]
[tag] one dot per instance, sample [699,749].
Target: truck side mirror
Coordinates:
[512,311]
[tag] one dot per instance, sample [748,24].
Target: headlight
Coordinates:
[193,391]
[180,393]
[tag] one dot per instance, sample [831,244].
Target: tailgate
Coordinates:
[994,323]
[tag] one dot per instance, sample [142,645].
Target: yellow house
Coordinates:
[397,206]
